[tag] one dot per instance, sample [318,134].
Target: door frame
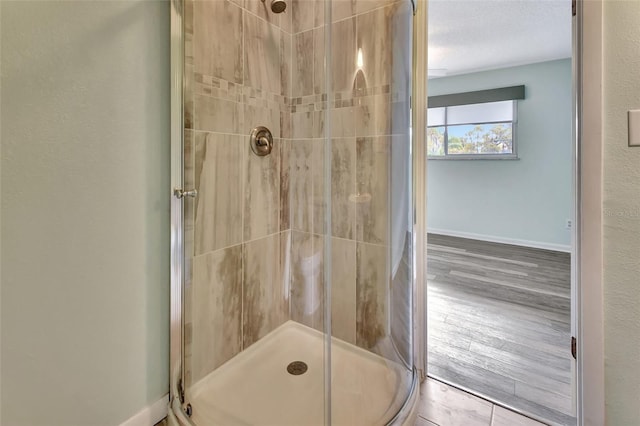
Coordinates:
[587,246]
[589,128]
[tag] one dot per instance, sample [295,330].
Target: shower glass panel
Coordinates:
[371,218]
[298,264]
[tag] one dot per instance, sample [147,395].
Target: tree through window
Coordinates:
[483,130]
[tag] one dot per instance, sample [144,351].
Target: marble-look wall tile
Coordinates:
[319,204]
[342,9]
[384,115]
[319,74]
[188,97]
[286,58]
[265,300]
[188,32]
[302,84]
[302,125]
[365,116]
[371,295]
[343,55]
[260,116]
[372,182]
[285,125]
[307,279]
[318,124]
[262,193]
[319,11]
[363,6]
[302,15]
[261,54]
[218,179]
[308,124]
[263,10]
[285,268]
[286,19]
[343,289]
[301,184]
[217,307]
[375,39]
[266,201]
[285,206]
[217,115]
[217,28]
[343,123]
[373,116]
[400,300]
[343,187]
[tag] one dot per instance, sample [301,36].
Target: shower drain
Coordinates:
[297,368]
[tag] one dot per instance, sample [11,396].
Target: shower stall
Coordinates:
[293,230]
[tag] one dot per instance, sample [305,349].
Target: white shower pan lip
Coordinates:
[254,387]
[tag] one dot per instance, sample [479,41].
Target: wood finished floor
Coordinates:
[499,324]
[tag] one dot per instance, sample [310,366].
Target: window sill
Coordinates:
[474,157]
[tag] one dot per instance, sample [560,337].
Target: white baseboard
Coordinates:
[150,415]
[502,240]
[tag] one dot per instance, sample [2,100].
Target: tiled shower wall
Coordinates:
[237,76]
[255,229]
[369,114]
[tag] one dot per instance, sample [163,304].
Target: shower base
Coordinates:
[255,387]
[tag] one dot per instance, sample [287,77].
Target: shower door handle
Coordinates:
[181,193]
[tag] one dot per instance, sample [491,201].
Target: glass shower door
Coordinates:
[371,215]
[254,341]
[296,212]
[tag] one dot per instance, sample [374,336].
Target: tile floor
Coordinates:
[443,405]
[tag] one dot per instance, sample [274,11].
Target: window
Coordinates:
[473,125]
[482,130]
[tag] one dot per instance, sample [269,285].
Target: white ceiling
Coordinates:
[474,35]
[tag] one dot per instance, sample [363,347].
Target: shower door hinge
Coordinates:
[188,410]
[574,347]
[180,391]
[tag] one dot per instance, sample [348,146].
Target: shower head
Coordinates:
[277,6]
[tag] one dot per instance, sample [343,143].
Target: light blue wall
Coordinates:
[527,199]
[85,205]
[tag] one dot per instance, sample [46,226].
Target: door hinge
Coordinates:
[574,347]
[574,7]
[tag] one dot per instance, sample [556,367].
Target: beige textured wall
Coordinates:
[85,210]
[621,204]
